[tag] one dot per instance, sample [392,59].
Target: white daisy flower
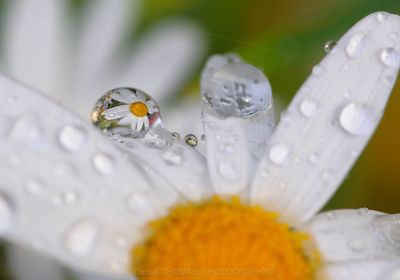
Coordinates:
[248,210]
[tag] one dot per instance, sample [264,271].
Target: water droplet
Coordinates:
[278,153]
[228,170]
[328,47]
[331,215]
[381,16]
[313,158]
[355,45]
[176,135]
[28,130]
[357,119]
[357,245]
[231,91]
[72,138]
[389,80]
[126,112]
[139,204]
[390,57]
[363,211]
[158,137]
[174,155]
[191,140]
[308,108]
[327,176]
[318,70]
[7,213]
[104,164]
[81,237]
[394,35]
[70,197]
[34,187]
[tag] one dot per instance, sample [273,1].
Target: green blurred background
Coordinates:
[285,39]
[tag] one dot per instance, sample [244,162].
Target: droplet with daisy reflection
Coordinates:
[126,112]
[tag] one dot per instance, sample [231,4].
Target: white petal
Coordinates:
[128,119]
[354,235]
[139,124]
[124,96]
[238,119]
[89,198]
[34,42]
[329,122]
[116,112]
[162,58]
[366,270]
[146,121]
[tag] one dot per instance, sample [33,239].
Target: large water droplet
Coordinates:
[7,213]
[357,119]
[228,170]
[390,57]
[308,108]
[174,155]
[81,237]
[279,153]
[104,164]
[158,137]
[72,138]
[355,45]
[126,112]
[28,130]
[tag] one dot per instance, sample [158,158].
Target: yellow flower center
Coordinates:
[139,109]
[222,239]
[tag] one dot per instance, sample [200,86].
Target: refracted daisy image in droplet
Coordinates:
[126,112]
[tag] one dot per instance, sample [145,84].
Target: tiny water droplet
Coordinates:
[313,158]
[174,155]
[357,119]
[28,130]
[70,197]
[7,213]
[390,57]
[308,108]
[357,245]
[104,164]
[191,140]
[228,170]
[327,176]
[72,138]
[329,46]
[381,16]
[278,153]
[81,237]
[34,187]
[318,70]
[331,215]
[176,135]
[355,45]
[363,211]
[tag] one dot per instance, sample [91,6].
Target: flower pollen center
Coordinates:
[139,109]
[222,239]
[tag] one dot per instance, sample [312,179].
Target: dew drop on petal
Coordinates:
[313,158]
[174,156]
[363,211]
[81,238]
[329,46]
[104,164]
[357,119]
[331,215]
[34,187]
[355,45]
[228,170]
[327,176]
[158,138]
[70,197]
[390,57]
[28,130]
[72,138]
[318,70]
[7,213]
[139,205]
[381,16]
[191,140]
[357,245]
[278,153]
[308,108]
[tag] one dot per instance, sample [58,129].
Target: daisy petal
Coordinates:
[116,112]
[34,42]
[128,119]
[139,124]
[238,118]
[355,235]
[329,121]
[124,95]
[94,198]
[366,270]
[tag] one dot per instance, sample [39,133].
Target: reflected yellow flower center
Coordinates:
[223,239]
[139,109]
